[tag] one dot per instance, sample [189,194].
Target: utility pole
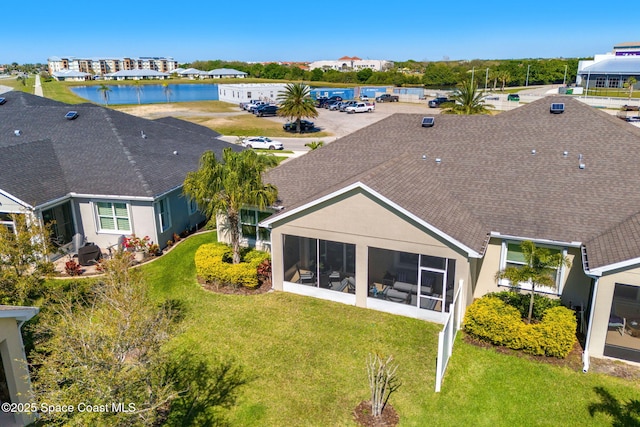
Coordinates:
[527,81]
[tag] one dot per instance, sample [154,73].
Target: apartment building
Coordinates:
[352,63]
[101,66]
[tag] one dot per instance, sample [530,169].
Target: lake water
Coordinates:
[149,94]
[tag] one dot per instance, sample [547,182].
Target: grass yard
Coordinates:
[307,361]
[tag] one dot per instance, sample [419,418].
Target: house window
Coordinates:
[512,256]
[601,82]
[113,217]
[249,220]
[162,210]
[192,206]
[6,220]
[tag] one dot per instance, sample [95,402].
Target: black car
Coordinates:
[305,126]
[266,110]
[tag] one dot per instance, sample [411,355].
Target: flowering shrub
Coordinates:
[72,268]
[134,243]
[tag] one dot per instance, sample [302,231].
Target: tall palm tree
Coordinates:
[228,185]
[468,100]
[539,269]
[296,103]
[104,93]
[629,85]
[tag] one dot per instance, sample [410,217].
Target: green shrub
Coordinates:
[213,265]
[491,319]
[520,301]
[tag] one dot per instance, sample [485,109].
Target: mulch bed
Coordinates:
[573,360]
[362,415]
[240,290]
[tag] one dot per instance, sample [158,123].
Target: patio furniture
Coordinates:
[89,254]
[397,296]
[617,322]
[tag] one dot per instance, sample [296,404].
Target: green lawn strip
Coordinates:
[60,92]
[486,388]
[249,125]
[307,357]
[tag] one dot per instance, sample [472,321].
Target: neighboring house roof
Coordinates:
[69,73]
[488,180]
[192,71]
[137,73]
[226,72]
[101,152]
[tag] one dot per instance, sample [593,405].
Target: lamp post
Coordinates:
[486,80]
[527,81]
[564,81]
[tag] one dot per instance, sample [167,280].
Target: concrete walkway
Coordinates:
[37,89]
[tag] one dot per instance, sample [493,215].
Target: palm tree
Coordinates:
[468,100]
[504,77]
[314,145]
[296,103]
[138,88]
[229,185]
[167,91]
[629,85]
[539,269]
[104,92]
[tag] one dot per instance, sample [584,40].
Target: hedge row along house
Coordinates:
[397,217]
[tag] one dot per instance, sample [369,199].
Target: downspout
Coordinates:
[587,342]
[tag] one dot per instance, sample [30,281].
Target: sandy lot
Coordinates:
[336,123]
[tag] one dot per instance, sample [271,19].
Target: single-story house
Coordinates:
[193,73]
[227,73]
[398,216]
[70,75]
[15,385]
[98,172]
[137,74]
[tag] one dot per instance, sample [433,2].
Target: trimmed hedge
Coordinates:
[491,319]
[213,265]
[520,301]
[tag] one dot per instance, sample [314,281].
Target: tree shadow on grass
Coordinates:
[624,414]
[206,389]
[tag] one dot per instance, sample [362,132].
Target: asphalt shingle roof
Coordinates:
[101,152]
[488,179]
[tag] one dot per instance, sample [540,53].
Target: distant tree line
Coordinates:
[494,74]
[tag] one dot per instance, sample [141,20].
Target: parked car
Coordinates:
[385,97]
[336,106]
[344,105]
[360,107]
[251,102]
[305,126]
[436,102]
[330,103]
[513,97]
[266,110]
[262,142]
[364,98]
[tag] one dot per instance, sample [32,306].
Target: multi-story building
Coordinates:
[612,69]
[348,63]
[102,66]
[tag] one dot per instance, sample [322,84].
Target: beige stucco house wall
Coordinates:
[358,218]
[602,308]
[14,361]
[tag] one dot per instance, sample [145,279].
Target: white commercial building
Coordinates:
[612,69]
[352,63]
[237,93]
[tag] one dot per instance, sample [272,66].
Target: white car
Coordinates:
[262,142]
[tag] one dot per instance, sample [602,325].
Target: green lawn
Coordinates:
[306,358]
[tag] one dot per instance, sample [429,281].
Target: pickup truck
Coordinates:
[360,107]
[436,102]
[385,97]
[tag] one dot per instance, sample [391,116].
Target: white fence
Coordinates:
[447,336]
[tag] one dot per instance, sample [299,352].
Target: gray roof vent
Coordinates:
[71,115]
[17,132]
[556,108]
[428,122]
[143,135]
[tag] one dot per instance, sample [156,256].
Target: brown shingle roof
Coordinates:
[489,180]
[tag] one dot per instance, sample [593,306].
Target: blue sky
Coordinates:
[285,30]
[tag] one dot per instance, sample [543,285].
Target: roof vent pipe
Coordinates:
[533,152]
[17,132]
[438,160]
[565,154]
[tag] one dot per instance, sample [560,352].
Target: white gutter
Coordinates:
[534,240]
[585,353]
[106,196]
[619,265]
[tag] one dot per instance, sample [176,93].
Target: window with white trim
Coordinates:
[113,217]
[512,256]
[162,211]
